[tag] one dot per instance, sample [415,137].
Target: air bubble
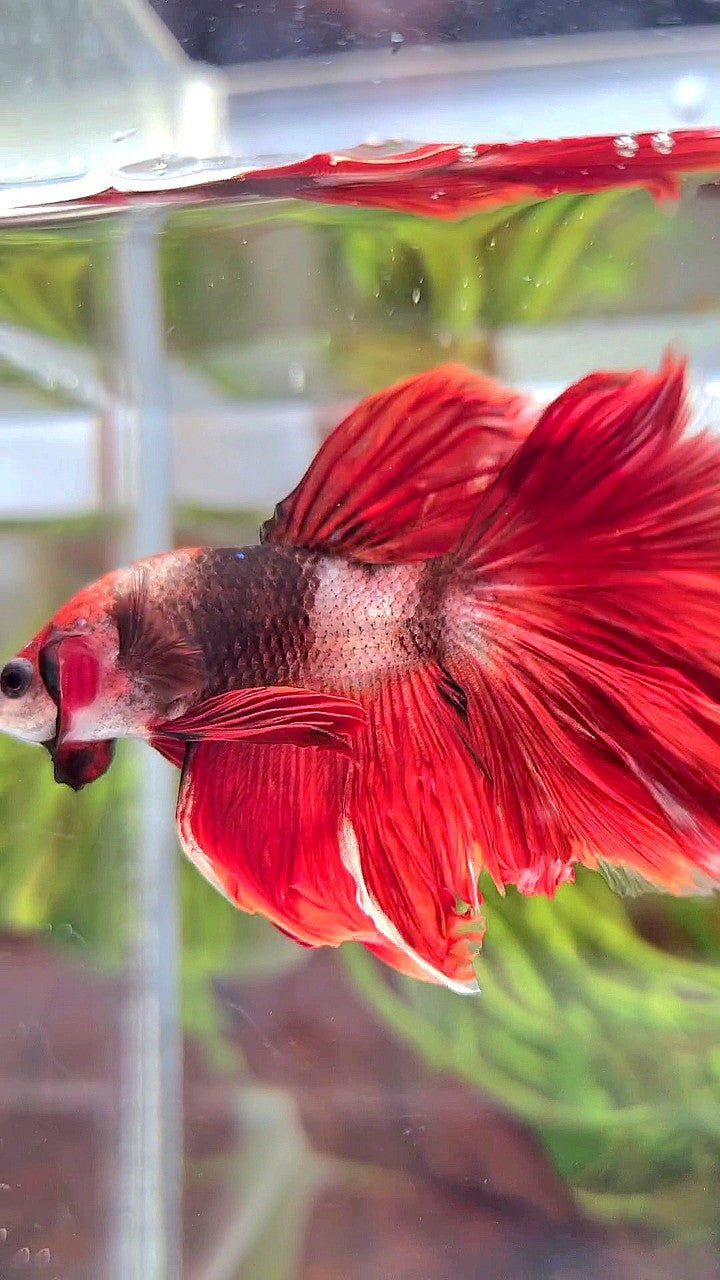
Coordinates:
[662,142]
[179,171]
[689,95]
[416,295]
[166,167]
[468,152]
[626,146]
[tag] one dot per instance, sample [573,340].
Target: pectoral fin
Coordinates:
[274,715]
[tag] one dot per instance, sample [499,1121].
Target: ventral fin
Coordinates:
[261,823]
[303,838]
[172,749]
[399,477]
[273,715]
[411,839]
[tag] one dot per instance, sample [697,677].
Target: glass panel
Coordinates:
[166,375]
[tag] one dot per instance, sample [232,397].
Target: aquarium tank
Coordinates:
[221,226]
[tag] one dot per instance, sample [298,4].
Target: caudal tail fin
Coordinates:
[582,621]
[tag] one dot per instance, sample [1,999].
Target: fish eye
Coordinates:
[16,677]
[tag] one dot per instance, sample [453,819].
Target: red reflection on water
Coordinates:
[447,180]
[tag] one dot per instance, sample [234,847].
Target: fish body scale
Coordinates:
[272,615]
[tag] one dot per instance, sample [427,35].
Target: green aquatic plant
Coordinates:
[510,265]
[376,270]
[58,283]
[64,875]
[206,286]
[604,1043]
[61,854]
[46,282]
[219,942]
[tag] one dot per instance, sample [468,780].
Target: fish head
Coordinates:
[27,710]
[71,656]
[105,666]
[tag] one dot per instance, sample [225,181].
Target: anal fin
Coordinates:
[411,829]
[262,823]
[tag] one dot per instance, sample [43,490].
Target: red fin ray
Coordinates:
[302,717]
[378,849]
[398,478]
[172,749]
[582,621]
[412,828]
[264,822]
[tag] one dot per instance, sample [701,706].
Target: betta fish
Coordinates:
[477,637]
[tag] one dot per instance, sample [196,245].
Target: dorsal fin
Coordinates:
[398,478]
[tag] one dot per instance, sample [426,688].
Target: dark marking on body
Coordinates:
[249,611]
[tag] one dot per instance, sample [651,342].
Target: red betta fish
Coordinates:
[476,636]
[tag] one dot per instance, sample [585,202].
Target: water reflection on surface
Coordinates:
[335,1122]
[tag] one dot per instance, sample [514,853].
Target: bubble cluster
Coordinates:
[626,145]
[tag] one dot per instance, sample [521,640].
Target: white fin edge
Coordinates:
[183,822]
[350,857]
